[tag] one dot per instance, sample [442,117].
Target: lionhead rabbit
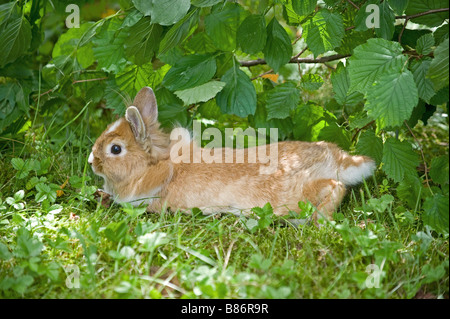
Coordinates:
[134,157]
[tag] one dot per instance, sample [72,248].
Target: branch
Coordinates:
[90,80]
[295,59]
[403,30]
[353,4]
[298,60]
[422,14]
[360,129]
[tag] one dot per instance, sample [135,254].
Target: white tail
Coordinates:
[355,173]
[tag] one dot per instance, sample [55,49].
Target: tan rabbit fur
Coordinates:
[143,171]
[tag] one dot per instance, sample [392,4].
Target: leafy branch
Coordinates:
[421,14]
[298,60]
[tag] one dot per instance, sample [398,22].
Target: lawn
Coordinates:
[58,241]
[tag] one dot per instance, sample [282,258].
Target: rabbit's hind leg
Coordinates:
[326,195]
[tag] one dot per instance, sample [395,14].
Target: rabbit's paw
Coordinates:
[103,198]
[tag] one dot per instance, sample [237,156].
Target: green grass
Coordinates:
[122,252]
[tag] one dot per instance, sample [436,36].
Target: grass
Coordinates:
[52,242]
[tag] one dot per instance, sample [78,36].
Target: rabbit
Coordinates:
[133,156]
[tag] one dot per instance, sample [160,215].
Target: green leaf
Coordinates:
[44,192]
[430,20]
[425,43]
[144,38]
[410,190]
[69,44]
[239,95]
[22,283]
[190,71]
[371,60]
[52,270]
[115,98]
[336,134]
[281,100]
[13,104]
[7,98]
[259,120]
[170,109]
[150,241]
[265,215]
[362,15]
[387,22]
[370,145]
[205,3]
[278,49]
[201,93]
[304,7]
[258,261]
[168,12]
[439,171]
[291,17]
[425,87]
[179,32]
[201,43]
[438,72]
[441,33]
[431,274]
[4,252]
[109,47]
[15,39]
[398,159]
[27,246]
[392,99]
[441,96]
[436,213]
[399,6]
[308,121]
[359,120]
[18,196]
[6,12]
[132,18]
[117,231]
[251,34]
[144,6]
[380,204]
[222,25]
[341,84]
[133,78]
[386,19]
[21,166]
[324,32]
[311,82]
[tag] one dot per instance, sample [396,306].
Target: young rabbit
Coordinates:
[134,158]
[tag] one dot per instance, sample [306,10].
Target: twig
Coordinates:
[262,74]
[46,92]
[401,32]
[409,17]
[300,53]
[12,140]
[360,129]
[353,4]
[423,157]
[89,80]
[298,60]
[420,14]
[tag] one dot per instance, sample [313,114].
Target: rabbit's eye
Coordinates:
[116,149]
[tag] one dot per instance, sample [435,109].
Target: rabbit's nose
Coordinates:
[91,158]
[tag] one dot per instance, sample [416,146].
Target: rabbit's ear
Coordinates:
[145,101]
[133,116]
